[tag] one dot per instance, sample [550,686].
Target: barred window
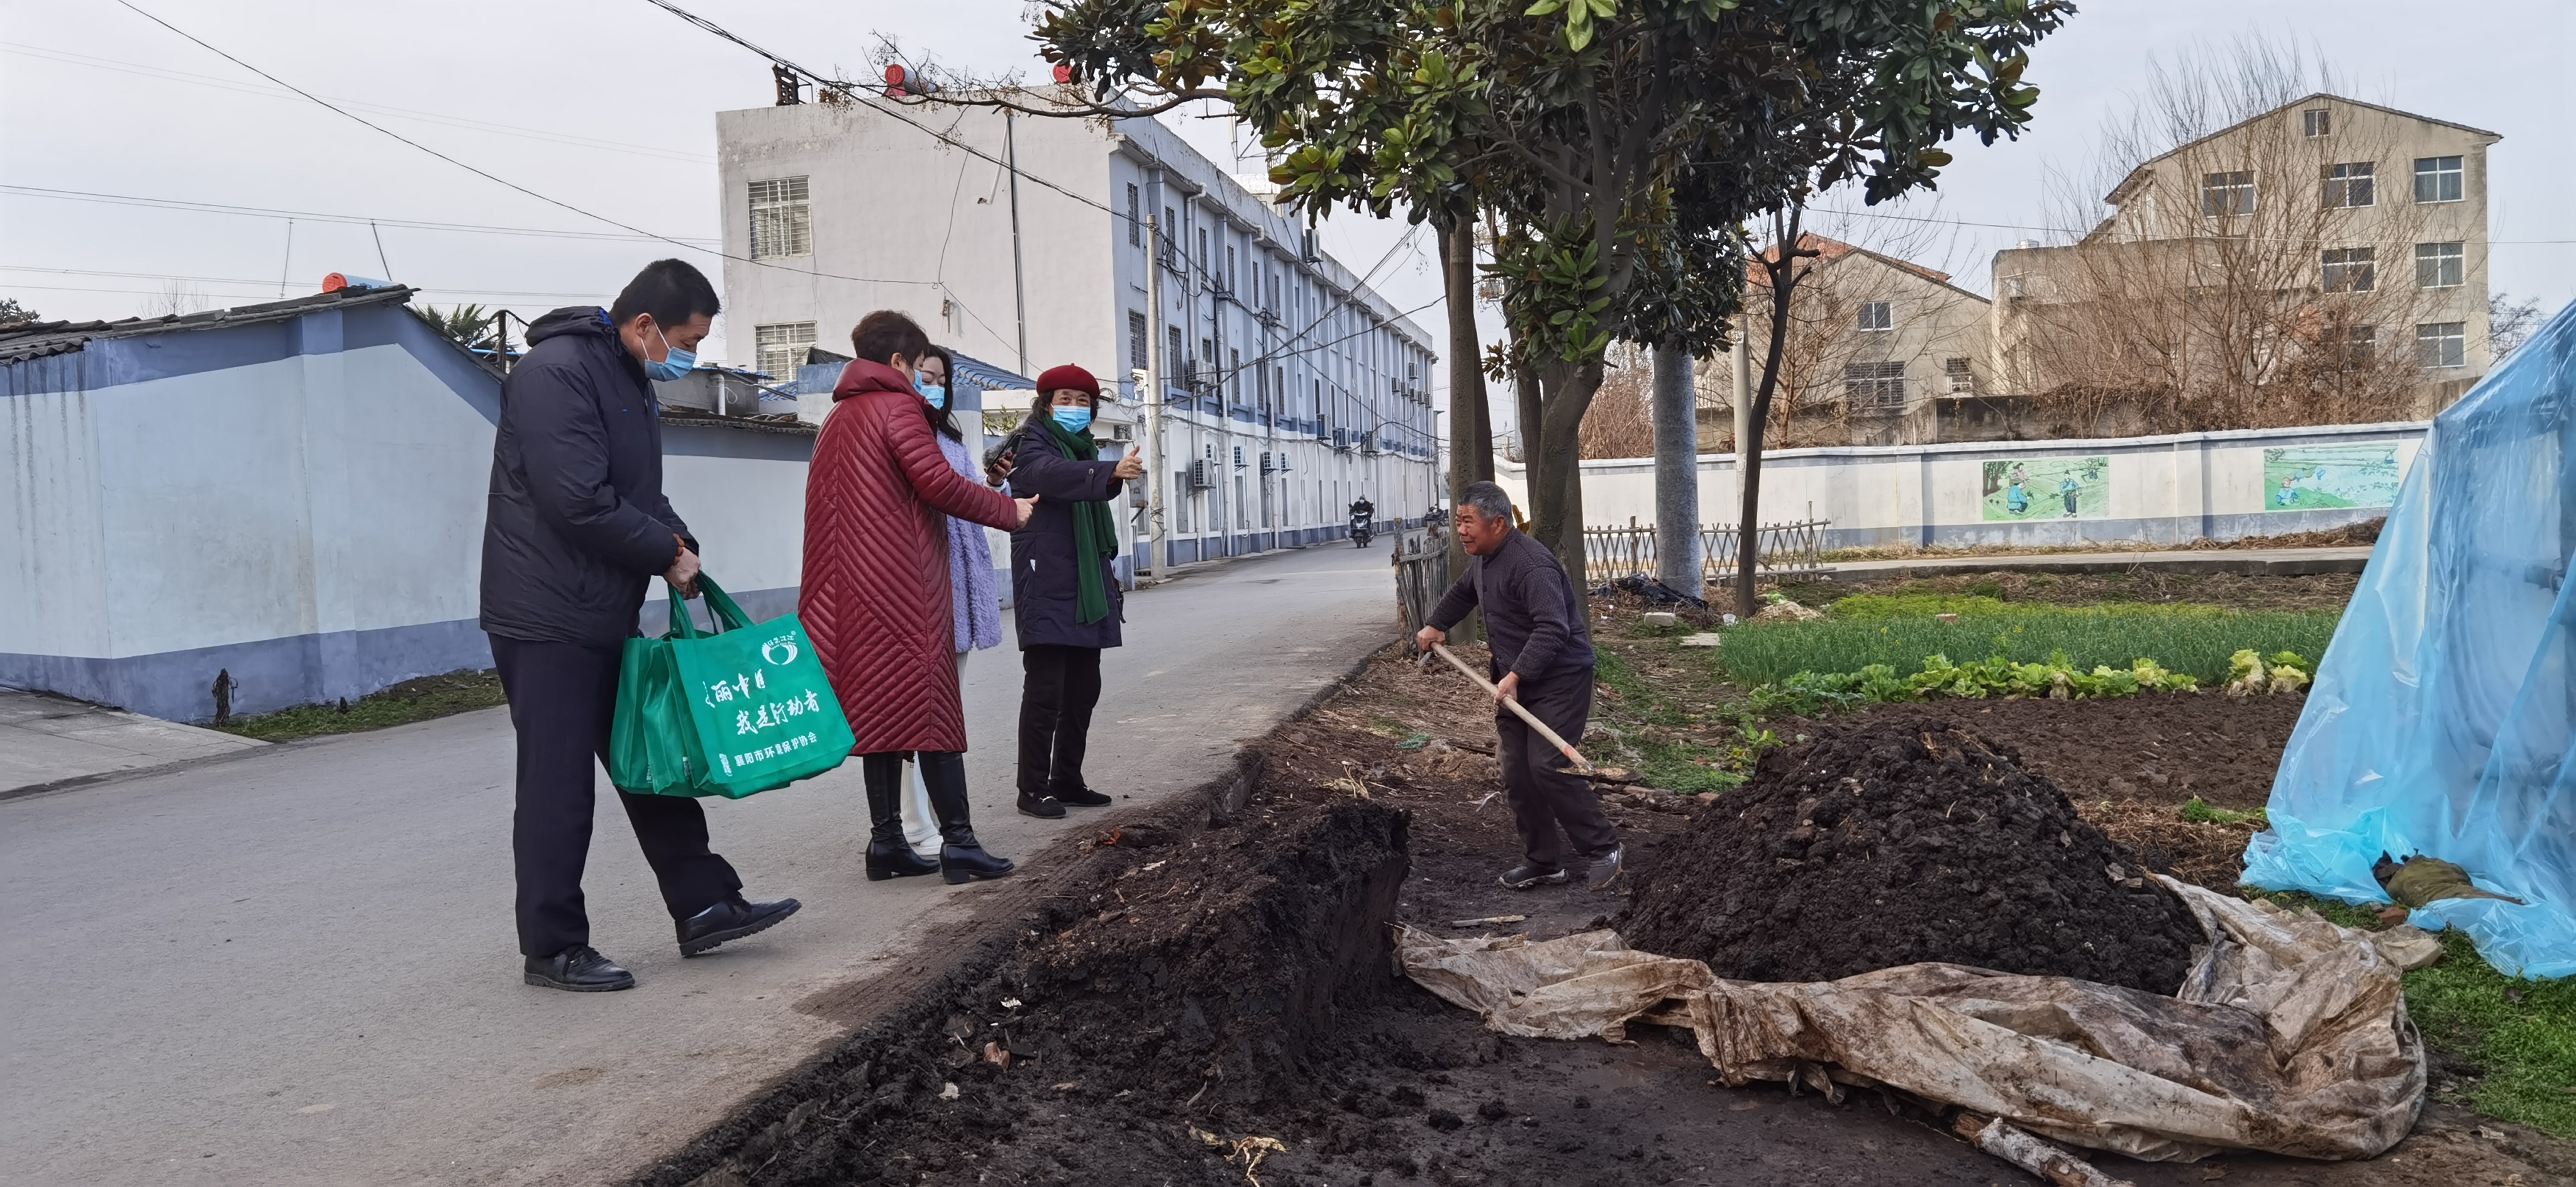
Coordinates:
[2442,344]
[2226,194]
[781,222]
[1135,217]
[2351,269]
[1963,380]
[1136,341]
[780,348]
[1874,385]
[2440,265]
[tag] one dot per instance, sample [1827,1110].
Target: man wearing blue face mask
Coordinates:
[577,527]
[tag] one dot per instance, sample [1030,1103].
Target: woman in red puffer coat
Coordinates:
[876,597]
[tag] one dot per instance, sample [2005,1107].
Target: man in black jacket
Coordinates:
[578,527]
[1542,657]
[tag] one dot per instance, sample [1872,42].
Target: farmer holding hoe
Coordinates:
[1542,658]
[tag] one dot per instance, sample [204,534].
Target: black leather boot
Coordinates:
[961,857]
[889,855]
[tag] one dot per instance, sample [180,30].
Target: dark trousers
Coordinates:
[1544,801]
[562,697]
[1058,689]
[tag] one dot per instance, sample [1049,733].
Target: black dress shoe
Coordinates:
[580,969]
[731,919]
[1082,797]
[1044,807]
[1525,875]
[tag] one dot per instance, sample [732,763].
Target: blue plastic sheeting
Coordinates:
[2443,718]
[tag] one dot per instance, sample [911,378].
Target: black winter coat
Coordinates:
[1042,560]
[577,525]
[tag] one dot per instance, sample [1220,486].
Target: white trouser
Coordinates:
[920,825]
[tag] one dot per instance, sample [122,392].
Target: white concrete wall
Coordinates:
[2162,490]
[311,524]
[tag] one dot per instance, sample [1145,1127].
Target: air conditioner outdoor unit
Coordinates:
[1269,462]
[1202,474]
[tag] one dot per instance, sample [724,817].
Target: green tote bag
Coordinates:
[732,713]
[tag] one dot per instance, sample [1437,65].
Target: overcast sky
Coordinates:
[607,106]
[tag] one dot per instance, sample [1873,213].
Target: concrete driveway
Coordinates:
[298,966]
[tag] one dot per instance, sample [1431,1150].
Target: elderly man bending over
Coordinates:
[1542,657]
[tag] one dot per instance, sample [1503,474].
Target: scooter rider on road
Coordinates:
[1363,517]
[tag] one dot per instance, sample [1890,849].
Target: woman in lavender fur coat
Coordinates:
[978,602]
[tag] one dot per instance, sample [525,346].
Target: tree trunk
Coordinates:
[1677,560]
[1556,467]
[1471,435]
[1748,529]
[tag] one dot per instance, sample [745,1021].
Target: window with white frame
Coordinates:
[780,348]
[1874,385]
[1874,316]
[2352,184]
[2316,122]
[2224,194]
[2437,179]
[782,225]
[2442,344]
[1963,379]
[2440,265]
[2350,269]
[2349,348]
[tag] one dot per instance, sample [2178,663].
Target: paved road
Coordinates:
[297,966]
[47,740]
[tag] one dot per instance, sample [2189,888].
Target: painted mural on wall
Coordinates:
[2048,488]
[2311,477]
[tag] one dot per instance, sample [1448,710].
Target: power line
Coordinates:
[486,174]
[315,216]
[68,58]
[239,280]
[1957,222]
[1192,267]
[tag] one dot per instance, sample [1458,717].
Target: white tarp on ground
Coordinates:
[2289,1035]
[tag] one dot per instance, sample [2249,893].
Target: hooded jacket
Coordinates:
[577,524]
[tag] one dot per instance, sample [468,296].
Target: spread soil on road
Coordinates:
[1899,839]
[1201,992]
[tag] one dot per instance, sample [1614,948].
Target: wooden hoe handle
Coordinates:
[1582,766]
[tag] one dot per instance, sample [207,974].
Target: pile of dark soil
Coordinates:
[2351,535]
[1906,838]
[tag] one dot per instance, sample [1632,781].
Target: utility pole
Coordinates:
[1677,560]
[1019,271]
[1157,545]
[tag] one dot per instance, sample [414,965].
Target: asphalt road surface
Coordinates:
[297,965]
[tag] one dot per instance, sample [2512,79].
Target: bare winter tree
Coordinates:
[177,298]
[2260,265]
[1620,423]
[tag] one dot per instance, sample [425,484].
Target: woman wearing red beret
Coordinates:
[1064,585]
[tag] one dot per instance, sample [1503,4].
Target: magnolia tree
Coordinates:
[1615,149]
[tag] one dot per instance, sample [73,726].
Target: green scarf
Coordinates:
[1095,531]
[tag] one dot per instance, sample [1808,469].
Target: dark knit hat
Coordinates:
[1057,379]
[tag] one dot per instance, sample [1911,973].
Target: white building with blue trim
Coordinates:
[1291,388]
